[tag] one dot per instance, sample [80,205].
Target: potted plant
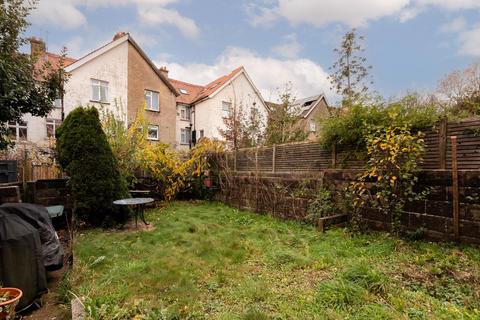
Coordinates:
[207,182]
[9,298]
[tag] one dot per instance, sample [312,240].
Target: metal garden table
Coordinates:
[138,205]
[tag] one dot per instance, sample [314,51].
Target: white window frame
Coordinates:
[226,108]
[52,122]
[185,113]
[156,128]
[313,126]
[57,103]
[184,136]
[150,98]
[98,85]
[16,126]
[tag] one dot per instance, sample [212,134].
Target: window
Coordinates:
[226,107]
[152,132]
[99,91]
[57,103]
[18,130]
[183,91]
[52,125]
[152,100]
[184,113]
[202,134]
[313,125]
[185,136]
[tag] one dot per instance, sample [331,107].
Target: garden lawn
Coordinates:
[210,261]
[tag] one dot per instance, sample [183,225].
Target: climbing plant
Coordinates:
[394,159]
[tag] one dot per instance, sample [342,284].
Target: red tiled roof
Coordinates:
[196,93]
[54,60]
[192,90]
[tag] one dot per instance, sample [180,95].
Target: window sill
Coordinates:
[101,102]
[152,110]
[181,119]
[153,139]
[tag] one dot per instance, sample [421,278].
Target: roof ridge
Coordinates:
[188,83]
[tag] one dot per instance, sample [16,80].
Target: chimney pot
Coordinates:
[163,70]
[118,35]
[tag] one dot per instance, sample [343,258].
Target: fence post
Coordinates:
[274,151]
[456,202]
[334,156]
[442,144]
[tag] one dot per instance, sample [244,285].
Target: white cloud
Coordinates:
[158,15]
[456,25]
[319,13]
[269,74]
[58,13]
[353,13]
[469,41]
[290,49]
[66,13]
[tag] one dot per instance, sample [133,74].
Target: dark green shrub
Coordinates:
[84,153]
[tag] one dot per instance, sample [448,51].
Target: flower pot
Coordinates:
[207,182]
[7,307]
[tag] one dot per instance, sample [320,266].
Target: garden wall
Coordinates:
[281,195]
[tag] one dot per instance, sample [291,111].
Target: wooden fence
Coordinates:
[310,156]
[28,171]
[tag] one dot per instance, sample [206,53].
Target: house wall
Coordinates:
[110,66]
[37,127]
[209,114]
[140,77]
[319,112]
[180,124]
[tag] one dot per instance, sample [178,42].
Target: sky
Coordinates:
[410,44]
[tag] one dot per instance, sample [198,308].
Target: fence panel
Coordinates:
[310,156]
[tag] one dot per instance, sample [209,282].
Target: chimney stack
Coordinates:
[118,35]
[163,70]
[37,47]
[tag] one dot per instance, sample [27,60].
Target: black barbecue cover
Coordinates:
[37,216]
[21,257]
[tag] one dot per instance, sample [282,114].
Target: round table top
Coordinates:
[133,201]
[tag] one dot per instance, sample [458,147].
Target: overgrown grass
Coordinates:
[209,261]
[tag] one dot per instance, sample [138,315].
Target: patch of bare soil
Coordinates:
[50,309]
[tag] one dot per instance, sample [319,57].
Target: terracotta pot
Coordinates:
[207,182]
[7,308]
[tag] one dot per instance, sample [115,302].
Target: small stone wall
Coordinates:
[275,194]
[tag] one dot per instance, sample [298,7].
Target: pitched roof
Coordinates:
[303,106]
[53,59]
[198,93]
[188,92]
[117,40]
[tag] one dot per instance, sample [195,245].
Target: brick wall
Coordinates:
[275,195]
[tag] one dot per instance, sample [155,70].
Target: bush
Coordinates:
[84,153]
[351,125]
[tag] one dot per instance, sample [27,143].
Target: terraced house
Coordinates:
[120,78]
[117,77]
[202,108]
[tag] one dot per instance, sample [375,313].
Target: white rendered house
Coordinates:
[201,109]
